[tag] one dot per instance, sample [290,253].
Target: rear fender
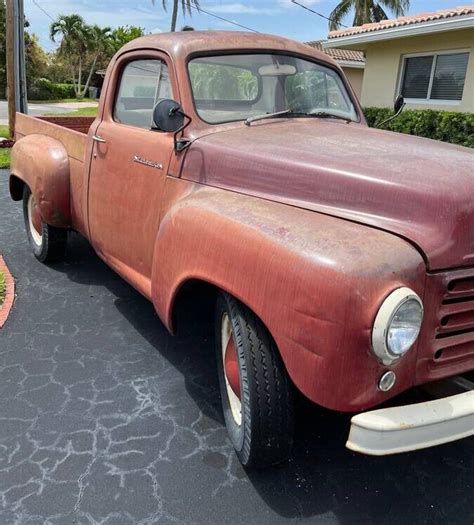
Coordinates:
[42,163]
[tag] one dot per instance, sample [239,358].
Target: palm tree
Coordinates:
[74,44]
[366,11]
[186,7]
[99,42]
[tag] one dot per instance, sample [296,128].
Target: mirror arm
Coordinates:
[181,144]
[389,119]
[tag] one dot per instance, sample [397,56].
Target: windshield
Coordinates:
[237,87]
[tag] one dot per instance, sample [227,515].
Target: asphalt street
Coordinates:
[41,109]
[106,418]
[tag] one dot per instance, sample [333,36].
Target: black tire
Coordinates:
[264,435]
[51,246]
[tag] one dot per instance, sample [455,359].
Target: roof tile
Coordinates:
[403,21]
[339,54]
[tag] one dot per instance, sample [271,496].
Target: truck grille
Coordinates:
[446,345]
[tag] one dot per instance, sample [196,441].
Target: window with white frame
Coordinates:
[434,76]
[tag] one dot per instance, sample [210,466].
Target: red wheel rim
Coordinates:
[230,364]
[231,367]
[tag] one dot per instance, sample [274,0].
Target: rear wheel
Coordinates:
[255,389]
[48,243]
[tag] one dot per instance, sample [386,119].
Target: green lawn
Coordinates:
[82,112]
[2,287]
[4,152]
[4,158]
[4,131]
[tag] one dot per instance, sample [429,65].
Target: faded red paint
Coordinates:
[311,223]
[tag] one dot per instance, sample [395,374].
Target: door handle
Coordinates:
[97,138]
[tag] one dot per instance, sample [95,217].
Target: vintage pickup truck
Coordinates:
[341,257]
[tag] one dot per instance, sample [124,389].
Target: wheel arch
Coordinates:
[16,186]
[207,291]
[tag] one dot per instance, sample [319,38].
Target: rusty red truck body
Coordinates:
[342,256]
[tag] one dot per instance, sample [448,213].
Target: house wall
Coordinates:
[384,60]
[355,76]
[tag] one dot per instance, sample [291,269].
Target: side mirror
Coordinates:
[168,116]
[398,104]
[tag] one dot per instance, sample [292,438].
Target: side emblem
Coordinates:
[146,162]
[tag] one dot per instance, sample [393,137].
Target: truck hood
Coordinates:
[419,189]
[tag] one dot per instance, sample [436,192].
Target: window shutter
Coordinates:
[450,72]
[416,78]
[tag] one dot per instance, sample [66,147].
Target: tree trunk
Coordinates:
[73,72]
[91,72]
[174,16]
[79,79]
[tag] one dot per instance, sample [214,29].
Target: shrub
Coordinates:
[44,89]
[448,126]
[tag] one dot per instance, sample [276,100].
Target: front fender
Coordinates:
[315,281]
[42,163]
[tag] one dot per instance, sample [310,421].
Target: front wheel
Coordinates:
[48,243]
[255,388]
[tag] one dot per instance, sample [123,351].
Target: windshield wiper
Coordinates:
[291,113]
[267,115]
[326,114]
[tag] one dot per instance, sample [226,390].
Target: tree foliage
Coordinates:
[123,35]
[186,8]
[366,11]
[35,58]
[81,45]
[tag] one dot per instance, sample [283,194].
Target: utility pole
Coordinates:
[15,50]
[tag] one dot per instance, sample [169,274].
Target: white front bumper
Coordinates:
[412,427]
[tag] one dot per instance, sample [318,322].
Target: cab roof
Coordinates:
[180,45]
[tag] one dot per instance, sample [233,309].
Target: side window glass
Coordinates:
[142,85]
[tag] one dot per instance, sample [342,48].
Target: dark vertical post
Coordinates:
[10,22]
[15,50]
[22,106]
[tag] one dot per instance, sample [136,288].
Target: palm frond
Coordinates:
[338,14]
[398,7]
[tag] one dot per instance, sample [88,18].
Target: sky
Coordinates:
[279,17]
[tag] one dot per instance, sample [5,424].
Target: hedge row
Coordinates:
[44,89]
[448,126]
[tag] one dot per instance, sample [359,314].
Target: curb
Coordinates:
[9,295]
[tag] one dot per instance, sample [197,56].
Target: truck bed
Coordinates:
[71,132]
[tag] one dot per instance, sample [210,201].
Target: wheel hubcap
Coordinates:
[231,369]
[34,221]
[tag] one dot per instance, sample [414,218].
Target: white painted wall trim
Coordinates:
[351,63]
[421,28]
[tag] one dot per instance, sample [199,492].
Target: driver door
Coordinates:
[129,167]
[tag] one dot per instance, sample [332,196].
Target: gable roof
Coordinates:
[345,55]
[403,21]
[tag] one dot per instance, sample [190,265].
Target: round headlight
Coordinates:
[397,325]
